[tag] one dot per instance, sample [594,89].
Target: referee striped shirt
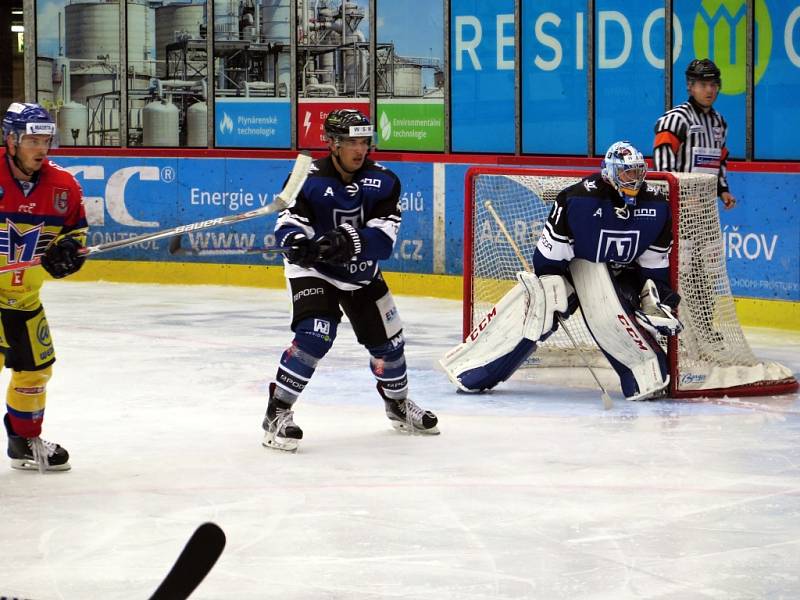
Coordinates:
[683,135]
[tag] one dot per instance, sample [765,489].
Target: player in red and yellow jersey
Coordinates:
[41,214]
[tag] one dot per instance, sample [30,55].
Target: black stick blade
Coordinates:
[175,245]
[195,561]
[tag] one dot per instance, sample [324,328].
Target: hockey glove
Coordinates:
[655,316]
[300,250]
[339,246]
[63,258]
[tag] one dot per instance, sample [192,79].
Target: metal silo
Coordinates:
[73,124]
[407,79]
[160,124]
[173,22]
[197,125]
[44,79]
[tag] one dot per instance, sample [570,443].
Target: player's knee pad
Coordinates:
[388,364]
[26,400]
[639,361]
[312,340]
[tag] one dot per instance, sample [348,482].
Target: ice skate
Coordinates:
[281,433]
[407,417]
[35,453]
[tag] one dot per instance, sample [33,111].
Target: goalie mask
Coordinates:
[624,168]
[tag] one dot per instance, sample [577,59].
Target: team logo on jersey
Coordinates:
[20,245]
[60,200]
[352,216]
[352,188]
[617,246]
[622,212]
[644,212]
[322,326]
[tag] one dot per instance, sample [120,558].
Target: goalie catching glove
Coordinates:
[655,316]
[63,258]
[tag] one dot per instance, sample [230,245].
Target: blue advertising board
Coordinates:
[482,75]
[253,122]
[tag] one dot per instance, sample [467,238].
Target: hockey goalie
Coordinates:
[605,247]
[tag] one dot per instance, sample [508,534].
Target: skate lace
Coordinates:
[41,452]
[283,418]
[412,411]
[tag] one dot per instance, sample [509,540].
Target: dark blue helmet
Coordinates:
[27,119]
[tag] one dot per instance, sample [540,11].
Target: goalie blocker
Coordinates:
[507,336]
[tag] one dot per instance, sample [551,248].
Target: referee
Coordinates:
[691,137]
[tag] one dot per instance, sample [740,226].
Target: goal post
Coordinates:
[711,357]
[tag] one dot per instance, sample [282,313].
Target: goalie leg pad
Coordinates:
[507,335]
[639,362]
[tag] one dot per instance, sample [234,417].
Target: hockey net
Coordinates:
[711,357]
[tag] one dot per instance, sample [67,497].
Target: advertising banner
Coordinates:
[253,122]
[311,113]
[409,124]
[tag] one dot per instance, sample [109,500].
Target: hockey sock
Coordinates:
[313,339]
[389,367]
[25,400]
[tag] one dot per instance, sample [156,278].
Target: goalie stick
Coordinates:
[195,561]
[606,399]
[284,199]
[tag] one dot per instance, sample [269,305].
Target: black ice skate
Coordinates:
[281,432]
[407,417]
[35,453]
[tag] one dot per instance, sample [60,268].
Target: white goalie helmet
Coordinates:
[624,168]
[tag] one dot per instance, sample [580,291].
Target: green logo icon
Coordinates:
[720,33]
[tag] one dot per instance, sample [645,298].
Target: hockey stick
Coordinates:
[176,248]
[284,199]
[195,561]
[607,402]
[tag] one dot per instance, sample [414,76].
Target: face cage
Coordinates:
[628,189]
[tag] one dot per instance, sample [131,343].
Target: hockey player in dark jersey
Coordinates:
[344,221]
[691,137]
[41,214]
[605,247]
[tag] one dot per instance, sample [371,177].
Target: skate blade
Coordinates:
[25,464]
[404,427]
[284,444]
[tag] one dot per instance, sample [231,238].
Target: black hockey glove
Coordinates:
[300,251]
[339,246]
[62,258]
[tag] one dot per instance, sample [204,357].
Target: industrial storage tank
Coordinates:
[92,30]
[73,124]
[44,79]
[174,20]
[275,29]
[160,124]
[407,79]
[226,20]
[197,125]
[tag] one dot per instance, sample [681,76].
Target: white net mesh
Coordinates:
[712,350]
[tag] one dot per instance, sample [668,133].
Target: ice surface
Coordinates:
[532,491]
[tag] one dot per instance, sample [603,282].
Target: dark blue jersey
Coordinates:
[370,203]
[589,220]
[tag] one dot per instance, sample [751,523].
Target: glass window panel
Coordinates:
[554,93]
[78,69]
[715,30]
[333,63]
[252,73]
[410,80]
[629,78]
[167,74]
[777,80]
[482,76]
